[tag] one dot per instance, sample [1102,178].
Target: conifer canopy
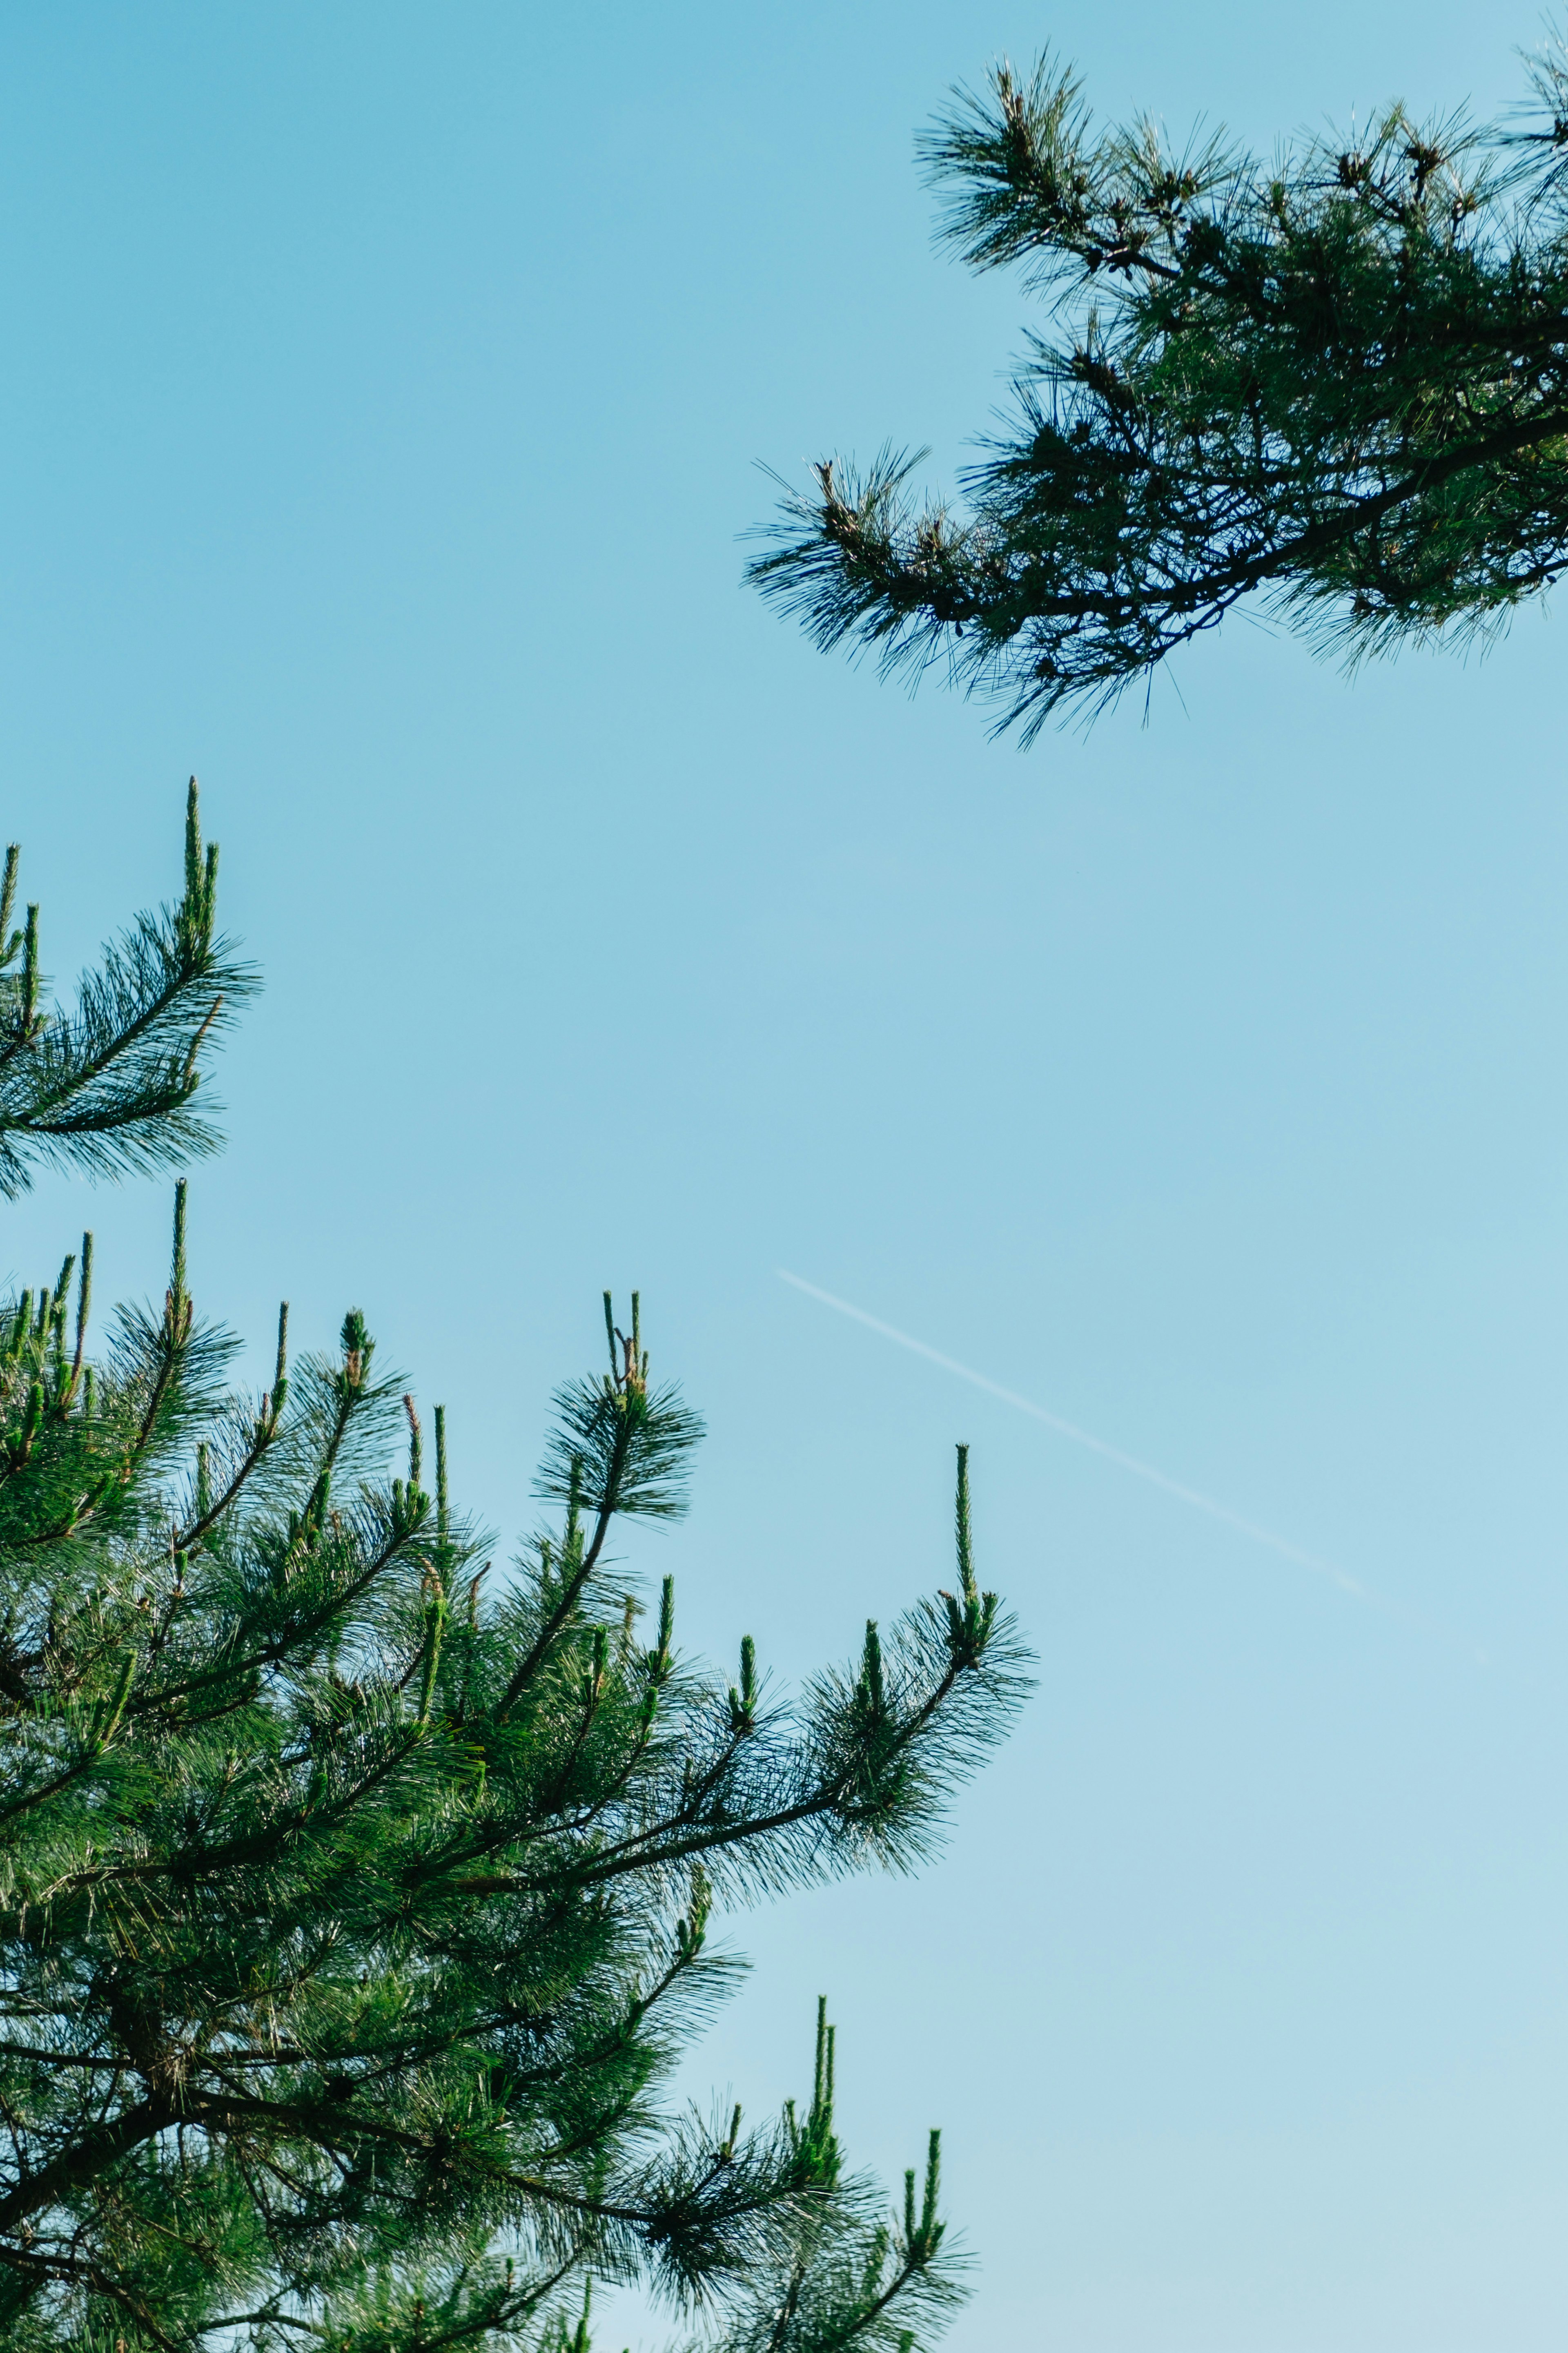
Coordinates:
[355,1890]
[1336,381]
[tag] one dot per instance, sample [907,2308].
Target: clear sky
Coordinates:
[382,388]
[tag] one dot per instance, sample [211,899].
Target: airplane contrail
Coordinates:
[1070,1430]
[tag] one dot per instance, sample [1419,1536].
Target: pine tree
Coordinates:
[1337,379]
[354,1898]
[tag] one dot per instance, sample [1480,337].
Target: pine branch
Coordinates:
[110,1085]
[1340,380]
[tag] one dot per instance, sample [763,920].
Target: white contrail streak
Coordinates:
[1084,1438]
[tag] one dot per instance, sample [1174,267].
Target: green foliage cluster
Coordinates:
[1337,378]
[111,1086]
[354,1899]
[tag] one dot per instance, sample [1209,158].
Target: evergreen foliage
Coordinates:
[111,1085]
[1338,378]
[354,1900]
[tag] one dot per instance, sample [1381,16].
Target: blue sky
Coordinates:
[382,393]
